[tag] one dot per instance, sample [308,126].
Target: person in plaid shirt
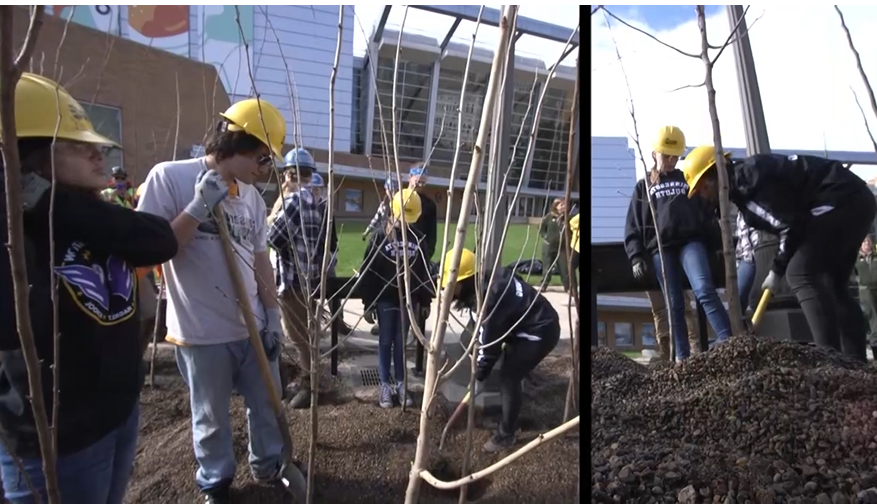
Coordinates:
[747,239]
[297,235]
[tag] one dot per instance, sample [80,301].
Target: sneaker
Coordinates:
[499,442]
[404,395]
[302,398]
[386,397]
[221,495]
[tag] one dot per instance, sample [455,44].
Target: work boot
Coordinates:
[404,395]
[385,400]
[344,329]
[302,398]
[499,442]
[220,495]
[291,476]
[375,330]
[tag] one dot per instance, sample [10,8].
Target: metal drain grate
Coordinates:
[369,377]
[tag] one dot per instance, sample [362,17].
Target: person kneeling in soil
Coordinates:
[519,325]
[213,349]
[383,289]
[821,211]
[97,245]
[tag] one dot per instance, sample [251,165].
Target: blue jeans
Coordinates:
[745,279]
[212,372]
[695,265]
[393,327]
[98,474]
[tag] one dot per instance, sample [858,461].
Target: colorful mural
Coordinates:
[161,26]
[103,18]
[223,43]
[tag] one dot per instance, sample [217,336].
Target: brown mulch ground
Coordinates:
[363,453]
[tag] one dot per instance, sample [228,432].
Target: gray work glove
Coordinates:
[773,282]
[33,187]
[272,334]
[210,190]
[639,268]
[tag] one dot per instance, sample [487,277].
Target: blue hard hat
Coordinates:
[316,180]
[299,158]
[417,171]
[391,184]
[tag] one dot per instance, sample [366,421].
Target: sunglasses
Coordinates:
[263,160]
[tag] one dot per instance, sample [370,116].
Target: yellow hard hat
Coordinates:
[698,162]
[669,141]
[139,190]
[42,105]
[407,200]
[244,116]
[466,269]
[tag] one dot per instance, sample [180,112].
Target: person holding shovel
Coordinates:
[679,223]
[97,246]
[821,212]
[214,352]
[519,325]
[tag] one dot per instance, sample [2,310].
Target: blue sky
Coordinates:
[660,17]
[434,25]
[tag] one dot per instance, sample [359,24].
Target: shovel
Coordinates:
[454,416]
[296,484]
[760,309]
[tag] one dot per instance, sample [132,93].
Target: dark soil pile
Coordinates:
[364,453]
[752,421]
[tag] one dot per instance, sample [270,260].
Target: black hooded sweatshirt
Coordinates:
[427,224]
[678,218]
[780,194]
[97,246]
[513,307]
[382,266]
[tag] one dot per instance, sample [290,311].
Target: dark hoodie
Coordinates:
[383,263]
[97,246]
[513,307]
[779,194]
[678,219]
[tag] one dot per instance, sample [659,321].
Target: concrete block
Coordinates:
[456,386]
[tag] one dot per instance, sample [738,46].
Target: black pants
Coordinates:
[819,275]
[520,357]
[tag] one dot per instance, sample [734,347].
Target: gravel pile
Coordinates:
[752,421]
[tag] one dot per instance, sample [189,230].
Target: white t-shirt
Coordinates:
[202,307]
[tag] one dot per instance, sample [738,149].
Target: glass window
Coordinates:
[447,109]
[108,122]
[623,334]
[648,335]
[412,98]
[353,200]
[601,333]
[552,141]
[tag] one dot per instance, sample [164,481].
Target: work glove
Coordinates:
[639,268]
[773,282]
[365,236]
[33,187]
[210,190]
[272,334]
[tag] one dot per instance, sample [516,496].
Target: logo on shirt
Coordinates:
[667,189]
[241,228]
[105,292]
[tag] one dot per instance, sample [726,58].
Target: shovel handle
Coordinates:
[240,293]
[762,306]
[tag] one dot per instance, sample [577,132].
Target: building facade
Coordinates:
[286,55]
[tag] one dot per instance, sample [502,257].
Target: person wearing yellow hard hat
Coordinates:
[204,320]
[821,212]
[519,325]
[660,209]
[97,246]
[382,289]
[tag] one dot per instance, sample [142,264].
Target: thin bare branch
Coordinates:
[33,31]
[864,119]
[733,37]
[868,88]
[647,34]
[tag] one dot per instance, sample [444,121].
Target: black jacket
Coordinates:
[383,264]
[778,194]
[427,224]
[97,245]
[508,310]
[678,218]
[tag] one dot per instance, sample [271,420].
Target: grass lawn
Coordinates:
[520,237]
[632,354]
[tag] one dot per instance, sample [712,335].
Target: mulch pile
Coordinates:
[752,421]
[363,452]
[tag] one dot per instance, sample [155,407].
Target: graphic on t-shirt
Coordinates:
[104,292]
[241,228]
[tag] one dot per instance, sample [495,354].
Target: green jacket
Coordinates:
[866,270]
[550,230]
